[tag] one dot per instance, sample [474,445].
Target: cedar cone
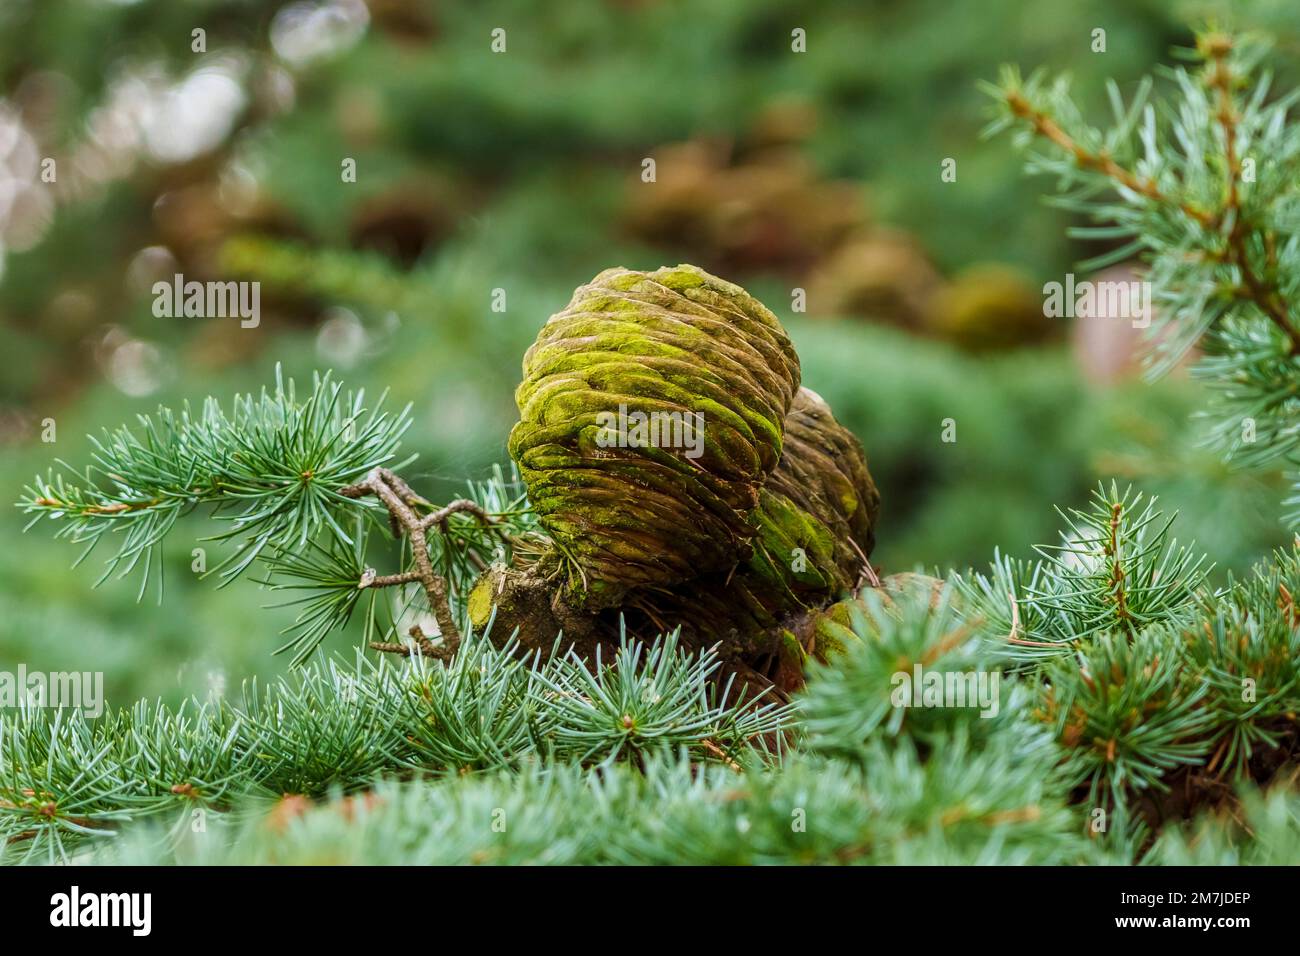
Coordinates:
[772,522]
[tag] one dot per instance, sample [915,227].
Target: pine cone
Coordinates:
[684,349]
[814,530]
[741,547]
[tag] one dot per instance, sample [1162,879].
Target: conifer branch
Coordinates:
[401,501]
[301,482]
[1171,177]
[1264,293]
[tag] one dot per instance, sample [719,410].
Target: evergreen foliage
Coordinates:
[333,727]
[1203,184]
[301,482]
[277,462]
[489,757]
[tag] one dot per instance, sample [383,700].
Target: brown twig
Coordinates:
[1117,576]
[1263,292]
[721,754]
[427,647]
[397,496]
[1013,637]
[1048,128]
[459,506]
[372,580]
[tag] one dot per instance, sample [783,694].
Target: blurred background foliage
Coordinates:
[521,171]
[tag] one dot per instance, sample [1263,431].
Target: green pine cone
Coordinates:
[652,411]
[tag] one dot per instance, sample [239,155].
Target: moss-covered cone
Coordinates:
[824,472]
[814,530]
[652,410]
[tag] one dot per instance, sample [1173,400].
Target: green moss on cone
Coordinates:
[823,471]
[674,341]
[814,530]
